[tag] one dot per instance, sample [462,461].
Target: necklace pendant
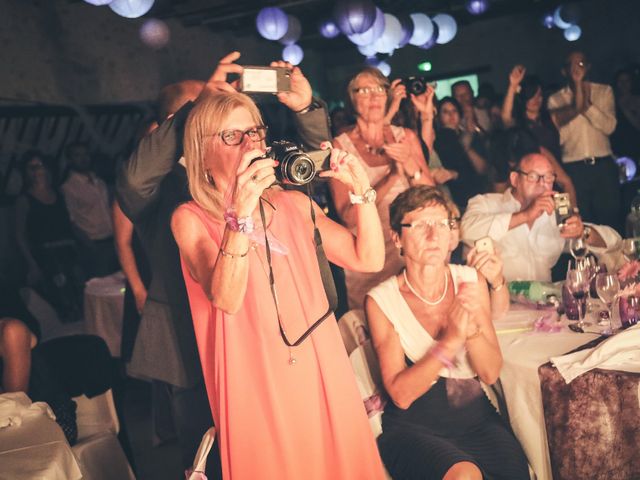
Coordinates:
[292,361]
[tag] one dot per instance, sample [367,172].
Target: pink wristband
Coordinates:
[238,224]
[438,352]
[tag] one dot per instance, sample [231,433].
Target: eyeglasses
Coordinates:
[370,91]
[235,137]
[534,177]
[422,226]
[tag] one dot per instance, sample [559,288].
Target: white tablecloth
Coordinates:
[36,449]
[524,351]
[103,308]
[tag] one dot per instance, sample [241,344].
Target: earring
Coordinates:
[209,178]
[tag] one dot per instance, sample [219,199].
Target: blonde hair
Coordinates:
[374,73]
[201,130]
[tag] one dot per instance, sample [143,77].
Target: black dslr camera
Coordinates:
[296,166]
[415,85]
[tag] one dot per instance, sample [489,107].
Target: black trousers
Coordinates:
[598,190]
[192,417]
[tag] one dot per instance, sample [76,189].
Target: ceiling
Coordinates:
[239,15]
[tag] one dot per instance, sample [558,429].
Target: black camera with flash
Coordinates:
[296,166]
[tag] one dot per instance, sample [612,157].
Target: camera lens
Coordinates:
[297,169]
[417,86]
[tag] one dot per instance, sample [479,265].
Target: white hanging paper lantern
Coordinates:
[384,67]
[447,27]
[371,35]
[422,29]
[573,33]
[272,23]
[367,50]
[98,3]
[292,54]
[131,8]
[391,36]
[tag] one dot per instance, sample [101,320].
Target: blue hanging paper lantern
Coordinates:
[391,36]
[558,20]
[131,8]
[367,50]
[98,3]
[154,33]
[384,67]
[328,29]
[547,20]
[292,54]
[628,166]
[447,27]
[422,29]
[432,41]
[407,29]
[354,16]
[477,7]
[371,35]
[572,33]
[272,23]
[294,30]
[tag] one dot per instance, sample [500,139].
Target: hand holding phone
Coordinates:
[265,79]
[485,244]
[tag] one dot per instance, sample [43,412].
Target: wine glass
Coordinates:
[607,286]
[578,285]
[578,248]
[630,248]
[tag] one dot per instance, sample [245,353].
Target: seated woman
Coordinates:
[281,391]
[46,240]
[392,158]
[432,332]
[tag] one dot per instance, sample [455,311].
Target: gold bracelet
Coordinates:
[499,287]
[475,335]
[234,255]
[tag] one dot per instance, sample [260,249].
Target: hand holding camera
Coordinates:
[255,174]
[542,204]
[348,170]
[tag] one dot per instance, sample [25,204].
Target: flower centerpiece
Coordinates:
[629,295]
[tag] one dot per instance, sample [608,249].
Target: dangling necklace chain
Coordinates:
[369,148]
[420,297]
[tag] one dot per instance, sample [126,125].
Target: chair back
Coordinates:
[354,329]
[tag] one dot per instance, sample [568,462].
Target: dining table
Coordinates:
[35,446]
[527,346]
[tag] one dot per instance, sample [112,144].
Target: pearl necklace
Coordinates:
[420,297]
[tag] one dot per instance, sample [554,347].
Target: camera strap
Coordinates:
[325,273]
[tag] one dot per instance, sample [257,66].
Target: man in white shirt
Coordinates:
[522,223]
[87,200]
[584,113]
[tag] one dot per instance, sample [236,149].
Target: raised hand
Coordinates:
[517,74]
[423,103]
[218,80]
[573,227]
[543,204]
[300,95]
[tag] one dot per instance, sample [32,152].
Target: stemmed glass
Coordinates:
[578,285]
[607,286]
[578,248]
[631,248]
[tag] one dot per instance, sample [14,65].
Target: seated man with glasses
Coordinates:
[522,223]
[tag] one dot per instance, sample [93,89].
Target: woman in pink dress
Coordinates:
[286,412]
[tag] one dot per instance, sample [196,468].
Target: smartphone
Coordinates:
[563,209]
[484,244]
[265,79]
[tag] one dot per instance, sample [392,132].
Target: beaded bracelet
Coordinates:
[238,224]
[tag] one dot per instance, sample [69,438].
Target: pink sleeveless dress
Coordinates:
[275,420]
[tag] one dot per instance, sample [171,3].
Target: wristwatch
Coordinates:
[314,105]
[586,233]
[369,196]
